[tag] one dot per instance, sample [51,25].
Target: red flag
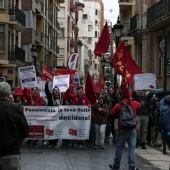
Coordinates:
[100,83]
[124,86]
[91,89]
[46,73]
[122,57]
[103,43]
[72,132]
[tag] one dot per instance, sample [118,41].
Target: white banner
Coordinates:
[63,122]
[62,82]
[28,76]
[145,81]
[72,61]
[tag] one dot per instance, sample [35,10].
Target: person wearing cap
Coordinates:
[100,118]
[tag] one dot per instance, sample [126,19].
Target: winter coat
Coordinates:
[13,128]
[100,116]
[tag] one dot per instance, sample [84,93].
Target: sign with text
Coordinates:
[28,76]
[62,82]
[145,81]
[63,122]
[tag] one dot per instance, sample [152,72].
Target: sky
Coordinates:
[111,5]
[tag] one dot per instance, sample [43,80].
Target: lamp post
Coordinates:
[117,33]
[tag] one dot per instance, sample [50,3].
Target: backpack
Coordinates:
[127,117]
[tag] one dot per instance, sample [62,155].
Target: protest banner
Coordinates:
[145,81]
[28,76]
[63,122]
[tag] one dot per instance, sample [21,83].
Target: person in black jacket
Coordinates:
[13,129]
[54,99]
[142,116]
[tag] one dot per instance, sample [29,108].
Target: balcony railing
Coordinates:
[135,22]
[16,15]
[16,54]
[157,11]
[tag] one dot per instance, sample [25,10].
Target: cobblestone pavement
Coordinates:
[68,158]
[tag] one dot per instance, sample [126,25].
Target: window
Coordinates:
[2,38]
[1,3]
[61,35]
[61,53]
[61,13]
[96,12]
[95,66]
[96,34]
[96,22]
[90,28]
[85,16]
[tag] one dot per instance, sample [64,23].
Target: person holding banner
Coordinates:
[54,99]
[33,99]
[77,99]
[13,129]
[100,118]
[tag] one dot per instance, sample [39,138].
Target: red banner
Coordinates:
[46,73]
[121,58]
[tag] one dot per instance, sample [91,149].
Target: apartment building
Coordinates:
[150,26]
[91,25]
[24,24]
[127,10]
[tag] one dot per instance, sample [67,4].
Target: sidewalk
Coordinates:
[155,157]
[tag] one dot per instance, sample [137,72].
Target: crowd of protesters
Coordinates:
[105,118]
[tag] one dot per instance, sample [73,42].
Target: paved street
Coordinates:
[67,158]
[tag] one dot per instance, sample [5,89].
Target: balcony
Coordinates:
[159,11]
[125,4]
[136,23]
[39,7]
[126,29]
[38,37]
[16,54]
[50,17]
[17,15]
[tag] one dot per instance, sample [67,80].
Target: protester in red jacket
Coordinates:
[125,135]
[33,98]
[77,99]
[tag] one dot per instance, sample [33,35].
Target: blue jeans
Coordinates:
[124,136]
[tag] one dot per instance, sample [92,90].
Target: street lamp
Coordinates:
[34,53]
[117,32]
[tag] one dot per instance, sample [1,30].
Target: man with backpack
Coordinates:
[126,114]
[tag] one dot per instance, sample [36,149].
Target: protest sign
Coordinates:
[28,76]
[62,82]
[63,122]
[145,81]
